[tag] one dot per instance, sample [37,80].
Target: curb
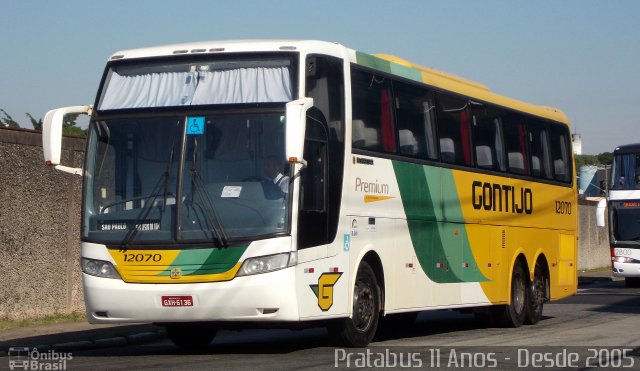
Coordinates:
[117,341]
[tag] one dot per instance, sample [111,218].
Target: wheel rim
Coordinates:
[519,293]
[363,306]
[538,289]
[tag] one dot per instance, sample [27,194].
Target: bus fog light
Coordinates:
[268,263]
[98,268]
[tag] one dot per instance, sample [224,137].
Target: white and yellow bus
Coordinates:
[405,189]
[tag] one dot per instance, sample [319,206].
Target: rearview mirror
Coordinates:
[296,112]
[601,213]
[52,136]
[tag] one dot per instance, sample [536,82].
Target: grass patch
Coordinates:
[6,324]
[601,269]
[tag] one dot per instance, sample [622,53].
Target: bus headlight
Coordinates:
[98,268]
[267,263]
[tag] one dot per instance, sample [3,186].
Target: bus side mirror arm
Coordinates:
[601,212]
[52,136]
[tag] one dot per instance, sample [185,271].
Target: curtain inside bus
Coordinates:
[625,174]
[388,131]
[166,89]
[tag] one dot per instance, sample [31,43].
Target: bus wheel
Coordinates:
[537,296]
[190,336]
[358,331]
[513,314]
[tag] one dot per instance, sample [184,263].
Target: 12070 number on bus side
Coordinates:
[563,207]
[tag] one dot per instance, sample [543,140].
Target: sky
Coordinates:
[581,56]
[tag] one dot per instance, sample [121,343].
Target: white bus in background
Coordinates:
[623,205]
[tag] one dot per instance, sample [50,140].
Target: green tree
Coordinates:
[582,160]
[8,121]
[37,124]
[69,125]
[75,131]
[605,158]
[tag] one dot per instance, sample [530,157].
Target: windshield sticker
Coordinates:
[231,191]
[195,125]
[124,225]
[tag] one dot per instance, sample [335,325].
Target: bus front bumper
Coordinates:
[258,298]
[626,269]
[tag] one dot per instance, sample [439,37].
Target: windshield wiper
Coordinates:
[144,213]
[208,208]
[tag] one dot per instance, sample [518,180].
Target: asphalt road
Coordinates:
[597,328]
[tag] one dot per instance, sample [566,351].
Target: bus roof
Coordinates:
[232,46]
[383,62]
[627,148]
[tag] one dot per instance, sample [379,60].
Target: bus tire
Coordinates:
[537,296]
[190,336]
[514,313]
[358,330]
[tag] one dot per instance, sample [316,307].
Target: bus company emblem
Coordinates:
[324,289]
[176,273]
[362,161]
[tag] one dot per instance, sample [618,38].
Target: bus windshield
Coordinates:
[626,171]
[625,220]
[197,178]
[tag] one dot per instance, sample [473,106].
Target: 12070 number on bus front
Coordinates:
[142,258]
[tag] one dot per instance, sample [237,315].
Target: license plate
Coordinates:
[177,301]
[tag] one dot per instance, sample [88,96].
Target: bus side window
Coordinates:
[539,148]
[453,130]
[515,144]
[416,127]
[560,153]
[325,84]
[487,138]
[372,110]
[312,222]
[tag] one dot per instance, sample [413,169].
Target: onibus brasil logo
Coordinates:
[24,358]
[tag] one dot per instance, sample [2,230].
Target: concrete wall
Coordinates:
[593,242]
[39,228]
[40,222]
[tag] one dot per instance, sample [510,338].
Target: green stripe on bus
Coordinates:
[386,66]
[206,261]
[373,62]
[420,189]
[406,72]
